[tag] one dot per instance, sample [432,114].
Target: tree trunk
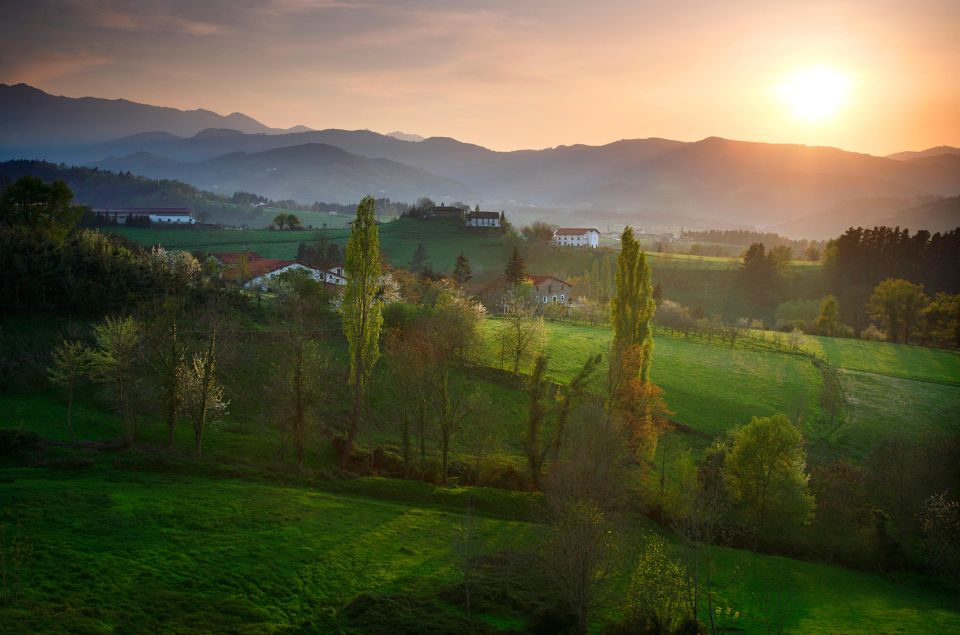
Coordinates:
[73,437]
[347,448]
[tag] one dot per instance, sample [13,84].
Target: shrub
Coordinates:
[873,333]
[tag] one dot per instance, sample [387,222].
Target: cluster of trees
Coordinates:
[120,188]
[856,262]
[800,249]
[288,221]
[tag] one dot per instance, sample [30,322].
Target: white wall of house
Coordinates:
[590,238]
[483,222]
[172,218]
[264,280]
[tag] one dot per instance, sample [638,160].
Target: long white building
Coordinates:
[159,215]
[577,237]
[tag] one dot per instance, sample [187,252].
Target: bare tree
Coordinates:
[521,332]
[203,397]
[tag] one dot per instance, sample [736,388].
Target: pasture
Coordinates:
[713,387]
[177,552]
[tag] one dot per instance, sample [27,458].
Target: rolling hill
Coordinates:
[33,122]
[306,172]
[713,182]
[709,182]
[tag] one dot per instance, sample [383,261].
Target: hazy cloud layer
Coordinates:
[507,74]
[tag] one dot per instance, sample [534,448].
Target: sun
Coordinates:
[815,94]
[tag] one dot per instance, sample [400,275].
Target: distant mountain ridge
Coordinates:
[929,152]
[308,172]
[31,119]
[713,182]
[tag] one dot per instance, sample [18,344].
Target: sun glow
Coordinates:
[815,94]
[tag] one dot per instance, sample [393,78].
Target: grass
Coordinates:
[713,387]
[710,388]
[444,239]
[234,543]
[886,358]
[177,553]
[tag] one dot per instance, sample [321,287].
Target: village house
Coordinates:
[484,219]
[577,237]
[549,289]
[254,271]
[335,275]
[160,215]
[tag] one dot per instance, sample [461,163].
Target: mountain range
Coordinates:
[714,182]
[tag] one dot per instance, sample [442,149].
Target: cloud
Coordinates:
[40,67]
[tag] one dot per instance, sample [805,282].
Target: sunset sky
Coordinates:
[867,75]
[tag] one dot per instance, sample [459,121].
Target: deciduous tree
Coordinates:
[113,363]
[898,305]
[766,472]
[71,363]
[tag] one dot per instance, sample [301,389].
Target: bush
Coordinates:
[20,443]
[786,326]
[873,333]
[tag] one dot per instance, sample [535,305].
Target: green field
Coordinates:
[238,542]
[713,388]
[177,553]
[444,239]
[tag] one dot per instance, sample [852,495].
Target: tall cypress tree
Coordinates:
[632,308]
[362,312]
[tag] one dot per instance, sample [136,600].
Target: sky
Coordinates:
[510,74]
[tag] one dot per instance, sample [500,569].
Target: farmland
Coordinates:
[221,553]
[713,388]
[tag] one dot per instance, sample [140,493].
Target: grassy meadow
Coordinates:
[196,553]
[714,387]
[444,239]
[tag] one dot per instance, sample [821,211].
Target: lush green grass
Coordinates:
[713,387]
[125,551]
[710,388]
[149,552]
[444,239]
[885,358]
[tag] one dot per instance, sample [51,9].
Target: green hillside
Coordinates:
[220,554]
[444,239]
[713,388]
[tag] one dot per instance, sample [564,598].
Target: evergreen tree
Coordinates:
[362,313]
[516,270]
[461,271]
[420,261]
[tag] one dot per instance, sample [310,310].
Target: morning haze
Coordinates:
[479,318]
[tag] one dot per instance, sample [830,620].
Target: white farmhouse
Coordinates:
[335,275]
[253,270]
[577,237]
[159,215]
[483,219]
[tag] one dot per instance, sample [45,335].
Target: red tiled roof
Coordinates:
[538,280]
[258,267]
[575,231]
[233,257]
[483,215]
